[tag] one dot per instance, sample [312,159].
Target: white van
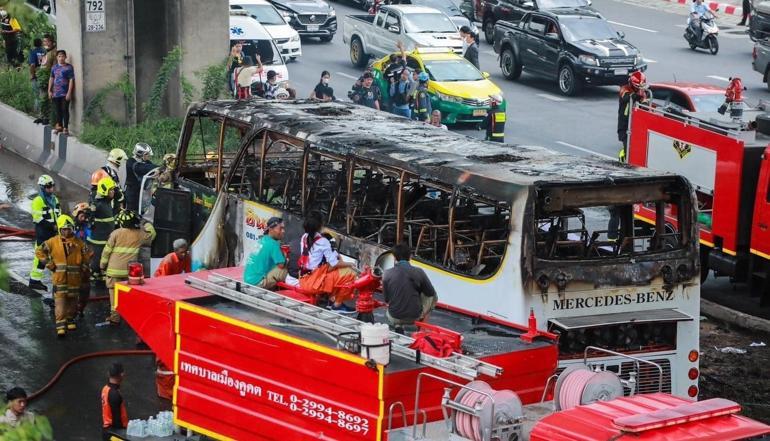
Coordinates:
[284,36]
[256,40]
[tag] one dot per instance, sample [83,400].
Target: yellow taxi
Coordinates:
[460,91]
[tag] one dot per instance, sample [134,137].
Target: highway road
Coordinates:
[537,113]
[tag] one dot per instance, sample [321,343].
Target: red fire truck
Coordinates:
[252,364]
[728,162]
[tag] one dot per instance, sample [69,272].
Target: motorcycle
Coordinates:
[708,34]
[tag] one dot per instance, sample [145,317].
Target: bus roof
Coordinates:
[492,168]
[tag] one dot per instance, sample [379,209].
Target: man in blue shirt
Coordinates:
[697,11]
[399,93]
[267,264]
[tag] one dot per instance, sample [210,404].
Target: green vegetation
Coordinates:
[16,90]
[38,430]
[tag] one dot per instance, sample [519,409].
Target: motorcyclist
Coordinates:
[697,10]
[635,91]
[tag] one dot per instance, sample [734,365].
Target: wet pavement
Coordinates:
[30,353]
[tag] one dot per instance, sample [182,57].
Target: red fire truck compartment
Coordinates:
[653,417]
[243,373]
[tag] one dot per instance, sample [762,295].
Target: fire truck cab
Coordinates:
[727,159]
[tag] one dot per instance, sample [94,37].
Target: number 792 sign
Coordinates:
[95,16]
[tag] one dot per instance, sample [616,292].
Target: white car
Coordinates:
[257,41]
[284,36]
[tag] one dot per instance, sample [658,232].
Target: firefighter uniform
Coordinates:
[67,258]
[45,212]
[102,225]
[495,124]
[123,247]
[628,96]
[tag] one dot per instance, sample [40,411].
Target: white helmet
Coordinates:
[116,156]
[45,180]
[282,94]
[141,149]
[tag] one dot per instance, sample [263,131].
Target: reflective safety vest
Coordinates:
[496,125]
[42,212]
[108,419]
[422,107]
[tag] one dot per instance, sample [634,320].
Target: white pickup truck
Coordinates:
[415,26]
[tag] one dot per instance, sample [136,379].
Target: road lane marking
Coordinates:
[717,77]
[632,27]
[343,74]
[583,149]
[551,97]
[649,60]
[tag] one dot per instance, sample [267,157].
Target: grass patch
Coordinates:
[16,90]
[162,134]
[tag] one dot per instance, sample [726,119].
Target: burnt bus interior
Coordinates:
[365,202]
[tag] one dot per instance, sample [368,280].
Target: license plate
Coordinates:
[312,28]
[621,71]
[480,112]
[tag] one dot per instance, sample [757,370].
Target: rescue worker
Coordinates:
[67,257]
[122,248]
[421,99]
[136,168]
[267,264]
[175,262]
[115,159]
[495,121]
[407,290]
[166,172]
[114,414]
[399,94]
[81,215]
[102,225]
[322,269]
[45,212]
[16,413]
[633,92]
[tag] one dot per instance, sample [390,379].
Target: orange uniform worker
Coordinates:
[114,414]
[67,257]
[175,262]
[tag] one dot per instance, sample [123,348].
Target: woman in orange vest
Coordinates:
[114,415]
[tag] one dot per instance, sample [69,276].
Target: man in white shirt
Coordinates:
[17,408]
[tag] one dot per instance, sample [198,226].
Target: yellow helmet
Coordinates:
[169,159]
[65,221]
[104,186]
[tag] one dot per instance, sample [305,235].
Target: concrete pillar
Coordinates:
[134,38]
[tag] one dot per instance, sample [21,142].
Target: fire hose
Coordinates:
[80,358]
[22,234]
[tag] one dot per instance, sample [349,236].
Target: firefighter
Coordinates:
[122,248]
[114,414]
[136,168]
[66,256]
[421,99]
[81,214]
[634,91]
[166,172]
[115,159]
[45,211]
[102,225]
[495,121]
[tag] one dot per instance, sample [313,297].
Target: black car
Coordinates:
[759,21]
[573,46]
[310,18]
[491,11]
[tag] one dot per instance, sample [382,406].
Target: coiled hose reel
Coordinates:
[579,385]
[473,418]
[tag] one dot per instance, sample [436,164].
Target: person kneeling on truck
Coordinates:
[321,268]
[407,290]
[267,264]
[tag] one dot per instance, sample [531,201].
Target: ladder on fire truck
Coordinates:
[328,321]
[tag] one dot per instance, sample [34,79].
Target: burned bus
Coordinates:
[501,230]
